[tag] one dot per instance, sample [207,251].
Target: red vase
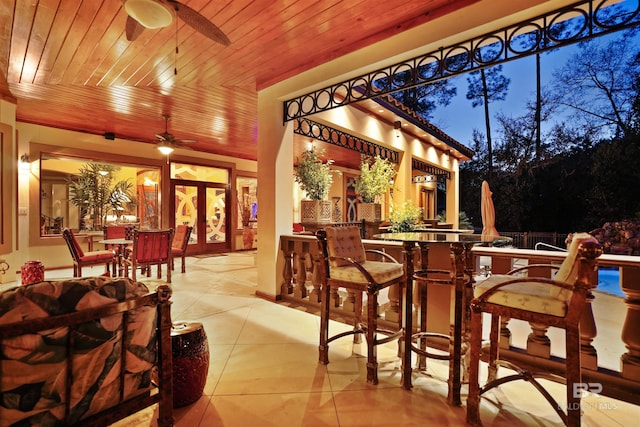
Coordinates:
[32,272]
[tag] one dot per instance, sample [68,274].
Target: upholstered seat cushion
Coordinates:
[530,296]
[97,255]
[380,271]
[538,297]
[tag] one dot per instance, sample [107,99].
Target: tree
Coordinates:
[615,194]
[424,99]
[598,85]
[472,173]
[487,85]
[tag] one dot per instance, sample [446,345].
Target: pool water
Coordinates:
[609,281]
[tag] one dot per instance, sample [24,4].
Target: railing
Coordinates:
[301,279]
[529,239]
[610,337]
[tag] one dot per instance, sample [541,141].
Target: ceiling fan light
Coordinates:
[165,149]
[149,13]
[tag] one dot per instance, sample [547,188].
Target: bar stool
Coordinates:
[458,278]
[345,265]
[557,302]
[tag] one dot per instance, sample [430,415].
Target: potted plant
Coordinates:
[96,194]
[315,178]
[404,217]
[374,180]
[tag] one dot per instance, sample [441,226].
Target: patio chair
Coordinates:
[150,247]
[82,258]
[557,302]
[179,245]
[344,265]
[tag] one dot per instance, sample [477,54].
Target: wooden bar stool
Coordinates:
[555,302]
[345,266]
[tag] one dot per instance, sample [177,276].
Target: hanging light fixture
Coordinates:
[149,13]
[165,149]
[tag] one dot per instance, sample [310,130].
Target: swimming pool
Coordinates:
[609,281]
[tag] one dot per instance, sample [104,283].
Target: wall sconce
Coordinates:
[24,163]
[397,125]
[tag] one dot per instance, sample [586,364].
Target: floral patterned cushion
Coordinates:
[568,271]
[344,242]
[34,367]
[537,296]
[530,296]
[380,271]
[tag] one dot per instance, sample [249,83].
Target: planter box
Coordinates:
[315,211]
[369,212]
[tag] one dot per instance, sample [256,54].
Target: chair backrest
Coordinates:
[121,231]
[181,237]
[72,244]
[568,271]
[344,242]
[152,246]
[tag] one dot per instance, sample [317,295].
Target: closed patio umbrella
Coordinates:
[488,212]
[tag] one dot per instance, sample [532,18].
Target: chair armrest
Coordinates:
[356,264]
[382,254]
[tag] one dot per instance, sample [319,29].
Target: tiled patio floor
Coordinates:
[264,369]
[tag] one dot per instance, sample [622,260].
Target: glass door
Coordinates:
[202,205]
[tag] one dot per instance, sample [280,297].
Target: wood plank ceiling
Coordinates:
[69,65]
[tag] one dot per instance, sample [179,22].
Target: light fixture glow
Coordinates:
[165,149]
[397,125]
[149,13]
[24,163]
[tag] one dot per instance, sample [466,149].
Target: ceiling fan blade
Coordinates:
[161,137]
[186,141]
[133,29]
[199,23]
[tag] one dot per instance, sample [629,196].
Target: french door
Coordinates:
[204,206]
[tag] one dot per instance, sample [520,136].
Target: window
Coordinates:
[85,194]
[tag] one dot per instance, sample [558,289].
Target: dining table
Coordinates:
[122,244]
[461,272]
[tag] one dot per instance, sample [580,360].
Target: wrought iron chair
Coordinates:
[557,302]
[150,247]
[82,258]
[179,245]
[344,265]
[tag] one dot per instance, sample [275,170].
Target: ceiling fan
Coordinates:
[167,142]
[160,13]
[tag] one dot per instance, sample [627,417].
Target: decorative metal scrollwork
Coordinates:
[565,26]
[432,170]
[342,139]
